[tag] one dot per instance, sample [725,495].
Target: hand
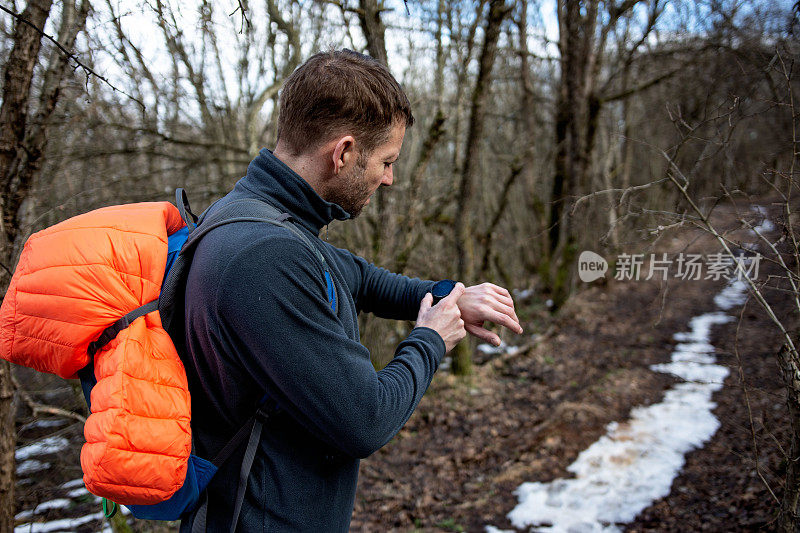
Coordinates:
[487,302]
[445,317]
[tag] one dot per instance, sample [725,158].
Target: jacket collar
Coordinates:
[272,180]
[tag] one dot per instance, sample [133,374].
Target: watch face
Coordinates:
[442,288]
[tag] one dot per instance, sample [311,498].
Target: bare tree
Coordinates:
[584,27]
[369,15]
[22,145]
[465,253]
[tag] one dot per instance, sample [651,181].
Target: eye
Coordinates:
[387,165]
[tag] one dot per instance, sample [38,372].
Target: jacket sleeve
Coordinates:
[272,308]
[383,293]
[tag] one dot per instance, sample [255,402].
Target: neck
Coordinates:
[305,165]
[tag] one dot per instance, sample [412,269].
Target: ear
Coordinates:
[344,153]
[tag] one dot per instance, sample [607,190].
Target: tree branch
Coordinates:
[41,408]
[78,63]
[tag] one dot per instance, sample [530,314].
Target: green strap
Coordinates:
[106,512]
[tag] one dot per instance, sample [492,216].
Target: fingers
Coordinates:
[502,314]
[454,295]
[496,293]
[426,303]
[483,334]
[504,320]
[507,300]
[498,290]
[506,310]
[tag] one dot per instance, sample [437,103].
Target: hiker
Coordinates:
[272,316]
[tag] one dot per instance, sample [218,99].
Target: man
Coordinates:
[263,320]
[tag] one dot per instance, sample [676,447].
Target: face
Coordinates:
[356,186]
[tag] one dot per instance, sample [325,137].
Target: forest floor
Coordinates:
[525,416]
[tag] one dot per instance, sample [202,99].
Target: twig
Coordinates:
[624,191]
[780,259]
[78,63]
[245,20]
[788,195]
[70,55]
[711,229]
[747,403]
[660,229]
[39,408]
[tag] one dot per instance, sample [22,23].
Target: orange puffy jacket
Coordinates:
[73,281]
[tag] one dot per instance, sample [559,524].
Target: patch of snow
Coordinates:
[635,462]
[77,493]
[492,529]
[66,524]
[766,224]
[72,484]
[59,503]
[522,294]
[53,444]
[733,295]
[700,327]
[30,466]
[704,373]
[52,423]
[699,352]
[490,349]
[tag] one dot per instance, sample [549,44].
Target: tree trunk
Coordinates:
[13,120]
[576,119]
[462,358]
[369,15]
[464,245]
[22,146]
[790,369]
[14,113]
[8,437]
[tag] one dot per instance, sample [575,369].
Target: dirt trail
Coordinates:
[525,418]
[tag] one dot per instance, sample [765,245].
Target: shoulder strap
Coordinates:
[182,203]
[251,210]
[246,210]
[253,426]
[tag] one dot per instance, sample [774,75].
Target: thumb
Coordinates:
[426,303]
[456,293]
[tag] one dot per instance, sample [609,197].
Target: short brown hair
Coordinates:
[341,92]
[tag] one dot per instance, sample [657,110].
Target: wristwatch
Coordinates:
[441,289]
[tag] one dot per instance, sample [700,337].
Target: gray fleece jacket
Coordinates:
[259,321]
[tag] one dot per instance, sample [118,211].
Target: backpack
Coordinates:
[101,297]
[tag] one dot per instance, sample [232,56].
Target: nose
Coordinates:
[388,177]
